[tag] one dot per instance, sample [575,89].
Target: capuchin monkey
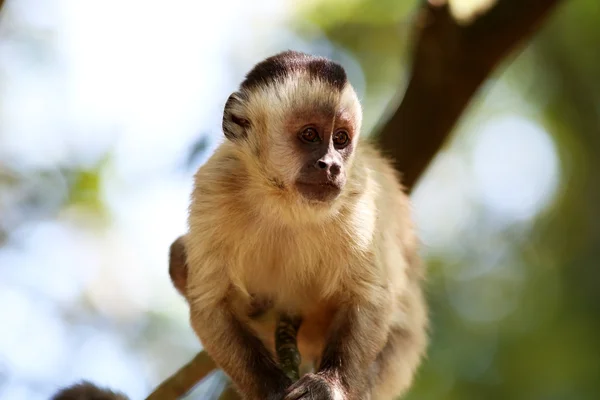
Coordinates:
[296,214]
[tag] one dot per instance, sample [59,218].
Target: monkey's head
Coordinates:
[296,120]
[87,391]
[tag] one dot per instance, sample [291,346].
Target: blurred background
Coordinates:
[108,107]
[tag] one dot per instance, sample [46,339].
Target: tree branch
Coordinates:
[450,62]
[182,381]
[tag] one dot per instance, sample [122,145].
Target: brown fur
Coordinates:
[87,391]
[347,263]
[178,265]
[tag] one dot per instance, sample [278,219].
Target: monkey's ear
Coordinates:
[235,124]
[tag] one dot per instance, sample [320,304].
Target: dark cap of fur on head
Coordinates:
[284,64]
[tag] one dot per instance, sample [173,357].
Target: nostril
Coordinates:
[335,169]
[322,164]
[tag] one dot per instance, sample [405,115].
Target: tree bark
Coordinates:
[450,62]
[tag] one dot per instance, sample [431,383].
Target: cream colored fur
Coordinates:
[249,235]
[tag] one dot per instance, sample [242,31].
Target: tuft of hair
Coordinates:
[87,391]
[287,81]
[282,65]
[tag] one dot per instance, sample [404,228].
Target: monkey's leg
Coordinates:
[393,372]
[358,333]
[396,364]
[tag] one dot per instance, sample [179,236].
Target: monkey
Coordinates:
[178,273]
[296,213]
[87,391]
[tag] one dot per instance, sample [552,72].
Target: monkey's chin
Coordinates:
[321,193]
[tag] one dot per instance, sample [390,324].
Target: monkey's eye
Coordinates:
[309,135]
[340,138]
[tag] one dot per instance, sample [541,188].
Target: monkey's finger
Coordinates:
[309,388]
[297,393]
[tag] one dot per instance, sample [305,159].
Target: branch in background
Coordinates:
[229,393]
[182,381]
[450,62]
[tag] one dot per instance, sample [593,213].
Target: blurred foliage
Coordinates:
[85,188]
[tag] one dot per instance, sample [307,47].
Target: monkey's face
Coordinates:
[299,138]
[296,120]
[321,146]
[309,140]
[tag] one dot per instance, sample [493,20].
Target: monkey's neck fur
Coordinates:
[278,244]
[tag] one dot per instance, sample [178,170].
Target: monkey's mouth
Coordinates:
[319,191]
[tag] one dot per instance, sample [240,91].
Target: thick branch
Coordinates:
[450,62]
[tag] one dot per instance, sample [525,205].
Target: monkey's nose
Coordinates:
[331,167]
[322,164]
[335,169]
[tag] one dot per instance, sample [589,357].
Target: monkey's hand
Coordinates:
[319,386]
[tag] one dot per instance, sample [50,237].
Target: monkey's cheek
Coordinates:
[320,193]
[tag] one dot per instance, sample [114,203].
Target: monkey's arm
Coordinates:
[285,336]
[225,334]
[358,333]
[239,352]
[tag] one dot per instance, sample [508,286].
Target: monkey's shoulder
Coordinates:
[223,172]
[381,167]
